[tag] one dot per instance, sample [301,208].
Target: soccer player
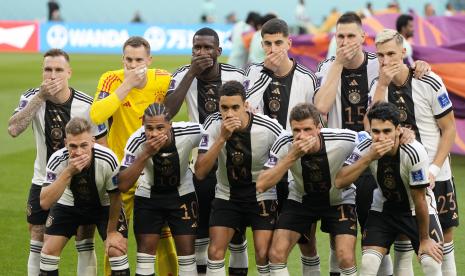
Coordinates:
[158,155]
[279,84]
[240,141]
[343,99]
[314,156]
[198,85]
[48,108]
[80,189]
[425,107]
[402,203]
[121,98]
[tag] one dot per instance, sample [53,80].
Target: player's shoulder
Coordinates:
[372,57]
[231,68]
[415,152]
[336,134]
[365,144]
[432,81]
[113,74]
[254,67]
[105,155]
[268,123]
[181,70]
[107,80]
[324,64]
[136,139]
[186,128]
[57,158]
[211,120]
[284,139]
[31,92]
[81,96]
[158,74]
[304,70]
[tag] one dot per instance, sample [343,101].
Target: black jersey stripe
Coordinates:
[371,55]
[268,127]
[30,92]
[105,156]
[340,139]
[210,119]
[281,142]
[191,129]
[83,97]
[274,125]
[409,151]
[106,153]
[230,68]
[247,71]
[193,126]
[345,134]
[365,144]
[134,144]
[372,83]
[320,65]
[433,80]
[444,113]
[180,70]
[307,72]
[258,85]
[414,152]
[56,161]
[430,83]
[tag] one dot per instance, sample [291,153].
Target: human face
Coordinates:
[232,107]
[157,125]
[408,30]
[206,45]
[304,129]
[384,130]
[56,68]
[349,33]
[134,57]
[80,144]
[389,52]
[272,43]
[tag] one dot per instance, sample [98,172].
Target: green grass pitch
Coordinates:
[22,71]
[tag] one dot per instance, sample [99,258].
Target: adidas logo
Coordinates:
[455,216]
[353,83]
[127,104]
[194,225]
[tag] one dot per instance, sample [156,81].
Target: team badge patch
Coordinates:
[353,158]
[101,127]
[272,160]
[443,100]
[103,94]
[114,179]
[204,141]
[246,84]
[418,175]
[51,176]
[172,84]
[22,104]
[129,159]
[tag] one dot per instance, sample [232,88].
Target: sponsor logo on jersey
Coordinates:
[418,175]
[443,100]
[51,176]
[204,141]
[103,94]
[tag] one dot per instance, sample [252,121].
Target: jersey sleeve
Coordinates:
[55,166]
[279,150]
[419,164]
[111,176]
[106,102]
[176,79]
[25,98]
[360,150]
[132,148]
[212,128]
[440,101]
[254,94]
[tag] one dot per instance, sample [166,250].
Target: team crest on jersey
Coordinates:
[51,176]
[443,100]
[49,221]
[22,104]
[129,159]
[172,84]
[418,175]
[103,94]
[354,96]
[272,160]
[204,141]
[353,158]
[389,179]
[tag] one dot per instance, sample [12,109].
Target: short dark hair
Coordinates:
[56,53]
[157,109]
[384,111]
[304,111]
[253,19]
[136,42]
[77,125]
[349,17]
[402,21]
[208,32]
[275,26]
[232,88]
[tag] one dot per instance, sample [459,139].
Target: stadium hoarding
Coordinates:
[19,36]
[164,39]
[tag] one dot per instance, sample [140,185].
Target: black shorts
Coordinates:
[336,220]
[365,185]
[35,214]
[179,212]
[382,229]
[259,215]
[446,201]
[205,190]
[64,220]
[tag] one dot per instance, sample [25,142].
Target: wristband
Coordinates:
[434,170]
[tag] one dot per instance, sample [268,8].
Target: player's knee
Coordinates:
[345,257]
[448,234]
[308,249]
[146,247]
[277,256]
[261,255]
[37,232]
[114,252]
[430,266]
[215,252]
[85,232]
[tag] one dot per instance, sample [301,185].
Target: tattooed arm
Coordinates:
[21,119]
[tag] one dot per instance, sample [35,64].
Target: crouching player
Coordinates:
[157,157]
[80,178]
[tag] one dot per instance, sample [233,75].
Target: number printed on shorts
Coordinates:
[193,210]
[442,202]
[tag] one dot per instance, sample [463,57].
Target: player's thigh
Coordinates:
[53,245]
[184,244]
[205,190]
[182,214]
[149,216]
[220,236]
[345,249]
[147,243]
[85,232]
[379,231]
[282,243]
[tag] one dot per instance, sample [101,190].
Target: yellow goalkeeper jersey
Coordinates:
[125,117]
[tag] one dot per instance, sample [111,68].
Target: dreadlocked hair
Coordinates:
[157,109]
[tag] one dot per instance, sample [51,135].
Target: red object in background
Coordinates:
[19,36]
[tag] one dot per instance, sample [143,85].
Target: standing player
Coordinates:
[198,84]
[343,98]
[49,107]
[400,203]
[279,83]
[157,156]
[240,141]
[425,107]
[121,98]
[80,180]
[314,157]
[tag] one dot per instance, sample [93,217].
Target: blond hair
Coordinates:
[77,126]
[388,35]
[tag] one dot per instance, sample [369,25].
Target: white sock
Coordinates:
[429,266]
[371,260]
[263,270]
[385,269]
[238,257]
[87,260]
[215,268]
[119,263]
[187,265]
[145,264]
[48,262]
[278,270]
[333,263]
[448,260]
[33,263]
[310,265]
[351,271]
[403,252]
[201,256]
